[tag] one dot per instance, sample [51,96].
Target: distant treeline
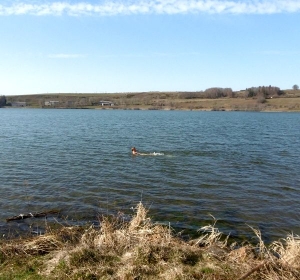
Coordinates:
[263,92]
[216,92]
[212,93]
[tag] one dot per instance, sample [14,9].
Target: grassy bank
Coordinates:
[141,249]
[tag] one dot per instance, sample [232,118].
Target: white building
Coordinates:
[51,103]
[106,103]
[18,104]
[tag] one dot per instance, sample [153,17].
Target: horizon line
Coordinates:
[135,92]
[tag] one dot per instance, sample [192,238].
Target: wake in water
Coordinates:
[151,154]
[136,153]
[158,154]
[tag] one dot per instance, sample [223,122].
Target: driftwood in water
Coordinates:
[32,215]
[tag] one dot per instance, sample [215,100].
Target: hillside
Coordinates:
[288,100]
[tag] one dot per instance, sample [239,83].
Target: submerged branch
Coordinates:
[32,215]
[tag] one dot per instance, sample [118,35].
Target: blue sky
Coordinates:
[174,45]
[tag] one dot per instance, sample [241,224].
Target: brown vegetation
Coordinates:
[141,249]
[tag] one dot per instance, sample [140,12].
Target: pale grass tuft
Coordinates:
[212,235]
[121,235]
[140,218]
[261,248]
[107,233]
[280,260]
[173,273]
[88,237]
[288,250]
[34,246]
[42,245]
[56,257]
[241,254]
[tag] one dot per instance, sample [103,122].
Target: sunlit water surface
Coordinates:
[240,167]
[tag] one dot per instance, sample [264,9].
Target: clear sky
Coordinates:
[101,46]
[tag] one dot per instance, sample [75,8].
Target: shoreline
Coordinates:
[161,109]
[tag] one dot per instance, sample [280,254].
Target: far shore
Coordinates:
[287,101]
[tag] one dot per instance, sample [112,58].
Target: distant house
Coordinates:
[106,103]
[51,103]
[18,104]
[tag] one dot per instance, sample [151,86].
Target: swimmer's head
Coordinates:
[133,149]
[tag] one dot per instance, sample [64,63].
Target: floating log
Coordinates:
[32,215]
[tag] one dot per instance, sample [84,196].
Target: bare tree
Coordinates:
[295,87]
[263,91]
[218,92]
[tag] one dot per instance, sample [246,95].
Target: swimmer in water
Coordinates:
[134,151]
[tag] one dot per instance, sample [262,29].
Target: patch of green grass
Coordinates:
[2,258]
[84,256]
[207,270]
[21,268]
[91,256]
[86,276]
[191,258]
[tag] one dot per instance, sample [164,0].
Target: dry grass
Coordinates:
[141,249]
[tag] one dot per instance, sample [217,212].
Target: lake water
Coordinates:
[240,167]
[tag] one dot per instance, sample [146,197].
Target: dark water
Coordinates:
[241,167]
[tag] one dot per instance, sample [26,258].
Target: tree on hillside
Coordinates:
[295,87]
[2,101]
[218,92]
[263,91]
